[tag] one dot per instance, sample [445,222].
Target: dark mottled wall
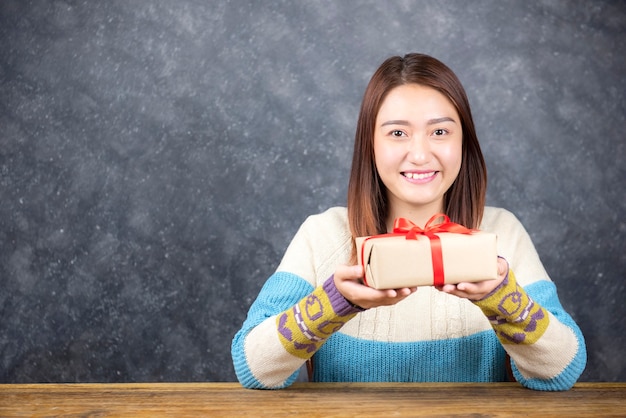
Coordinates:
[156,157]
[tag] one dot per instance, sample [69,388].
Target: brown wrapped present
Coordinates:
[438,254]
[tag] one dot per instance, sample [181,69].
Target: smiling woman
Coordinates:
[416,155]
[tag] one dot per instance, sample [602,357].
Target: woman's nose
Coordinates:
[419,150]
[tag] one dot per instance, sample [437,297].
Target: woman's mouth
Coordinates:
[419,176]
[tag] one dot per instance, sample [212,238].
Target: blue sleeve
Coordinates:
[281,291]
[545,294]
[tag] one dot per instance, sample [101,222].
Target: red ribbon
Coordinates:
[403,226]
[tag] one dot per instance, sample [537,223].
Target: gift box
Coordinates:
[431,256]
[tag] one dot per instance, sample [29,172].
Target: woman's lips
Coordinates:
[419,176]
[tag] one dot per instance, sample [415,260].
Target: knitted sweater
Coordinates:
[430,336]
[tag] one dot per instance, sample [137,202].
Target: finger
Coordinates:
[503,266]
[448,288]
[406,291]
[349,272]
[466,287]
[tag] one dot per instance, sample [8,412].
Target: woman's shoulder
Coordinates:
[325,229]
[332,218]
[322,242]
[495,218]
[514,244]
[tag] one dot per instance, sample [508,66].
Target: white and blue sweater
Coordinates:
[430,336]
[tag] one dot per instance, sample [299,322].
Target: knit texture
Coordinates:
[306,326]
[514,316]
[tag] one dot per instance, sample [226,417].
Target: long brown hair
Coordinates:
[464,201]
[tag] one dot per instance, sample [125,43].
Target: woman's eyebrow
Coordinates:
[396,122]
[440,120]
[428,122]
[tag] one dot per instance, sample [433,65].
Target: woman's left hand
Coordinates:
[478,290]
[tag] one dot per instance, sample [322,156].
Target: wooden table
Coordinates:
[310,400]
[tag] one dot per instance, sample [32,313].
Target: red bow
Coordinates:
[406,227]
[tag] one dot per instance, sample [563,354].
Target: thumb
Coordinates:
[349,272]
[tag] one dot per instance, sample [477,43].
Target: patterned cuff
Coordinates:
[303,328]
[514,316]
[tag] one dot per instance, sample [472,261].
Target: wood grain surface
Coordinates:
[310,399]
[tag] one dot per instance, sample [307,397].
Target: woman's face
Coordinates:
[417,147]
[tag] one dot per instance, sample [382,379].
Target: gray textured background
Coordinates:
[156,157]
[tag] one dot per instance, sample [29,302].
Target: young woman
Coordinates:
[416,154]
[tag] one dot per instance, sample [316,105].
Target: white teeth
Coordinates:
[419,176]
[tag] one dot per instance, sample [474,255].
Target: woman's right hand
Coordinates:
[349,282]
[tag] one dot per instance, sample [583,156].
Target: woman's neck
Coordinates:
[419,215]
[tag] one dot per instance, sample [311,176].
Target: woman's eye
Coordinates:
[397,133]
[439,132]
